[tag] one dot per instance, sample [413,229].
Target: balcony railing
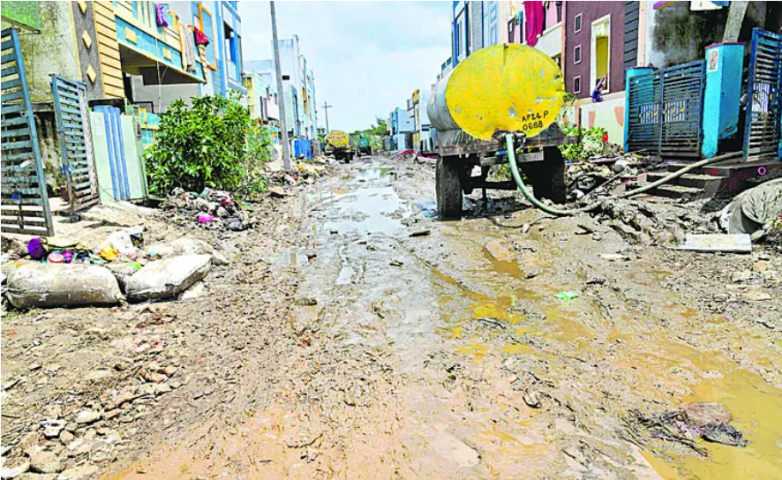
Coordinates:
[144,44]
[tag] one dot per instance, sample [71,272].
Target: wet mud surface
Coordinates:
[447,355]
[416,348]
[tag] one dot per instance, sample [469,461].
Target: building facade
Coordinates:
[298,88]
[263,102]
[221,56]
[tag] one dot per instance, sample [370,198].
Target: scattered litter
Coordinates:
[729,243]
[211,209]
[205,218]
[566,295]
[306,301]
[420,233]
[614,257]
[396,263]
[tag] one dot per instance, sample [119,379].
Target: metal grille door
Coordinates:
[764,108]
[73,124]
[644,113]
[25,204]
[666,111]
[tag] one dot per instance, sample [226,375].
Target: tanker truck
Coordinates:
[499,90]
[340,145]
[364,147]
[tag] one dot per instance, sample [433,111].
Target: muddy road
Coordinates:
[417,348]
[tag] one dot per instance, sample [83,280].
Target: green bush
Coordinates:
[591,143]
[212,144]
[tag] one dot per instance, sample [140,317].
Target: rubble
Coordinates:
[211,210]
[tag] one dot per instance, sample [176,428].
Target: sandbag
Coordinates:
[167,278]
[62,285]
[754,208]
[180,246]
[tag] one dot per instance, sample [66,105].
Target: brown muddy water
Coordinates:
[417,358]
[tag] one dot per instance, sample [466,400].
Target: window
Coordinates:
[577,23]
[286,77]
[577,54]
[577,84]
[230,43]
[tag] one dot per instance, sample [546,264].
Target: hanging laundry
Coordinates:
[535,14]
[188,48]
[200,36]
[161,15]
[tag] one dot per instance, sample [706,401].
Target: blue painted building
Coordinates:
[220,61]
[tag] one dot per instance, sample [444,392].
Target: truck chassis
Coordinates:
[542,163]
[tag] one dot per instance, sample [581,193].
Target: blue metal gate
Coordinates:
[763,132]
[73,124]
[116,145]
[666,111]
[25,203]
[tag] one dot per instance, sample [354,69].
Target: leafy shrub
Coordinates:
[212,144]
[591,143]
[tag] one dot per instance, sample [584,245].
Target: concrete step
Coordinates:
[677,191]
[688,179]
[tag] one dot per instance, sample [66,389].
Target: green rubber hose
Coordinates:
[563,213]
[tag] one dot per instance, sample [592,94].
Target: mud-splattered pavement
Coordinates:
[428,349]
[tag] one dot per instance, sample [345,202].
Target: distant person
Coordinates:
[597,93]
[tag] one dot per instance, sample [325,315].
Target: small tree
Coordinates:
[212,144]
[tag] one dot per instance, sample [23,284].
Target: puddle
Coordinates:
[366,210]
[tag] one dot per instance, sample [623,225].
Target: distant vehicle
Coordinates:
[364,148]
[340,145]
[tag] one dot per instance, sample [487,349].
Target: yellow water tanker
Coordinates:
[506,87]
[337,138]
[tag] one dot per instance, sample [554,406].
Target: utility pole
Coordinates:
[326,107]
[286,148]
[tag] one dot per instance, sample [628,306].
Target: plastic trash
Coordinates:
[167,278]
[205,218]
[108,253]
[566,295]
[36,285]
[35,248]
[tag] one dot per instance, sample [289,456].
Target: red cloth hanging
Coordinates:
[535,16]
[200,37]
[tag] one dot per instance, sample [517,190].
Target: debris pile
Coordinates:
[211,210]
[58,272]
[305,172]
[599,171]
[703,420]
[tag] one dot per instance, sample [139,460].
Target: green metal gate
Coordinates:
[764,109]
[73,125]
[25,203]
[666,111]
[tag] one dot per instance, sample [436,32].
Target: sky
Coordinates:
[368,57]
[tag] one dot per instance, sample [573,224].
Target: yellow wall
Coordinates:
[601,58]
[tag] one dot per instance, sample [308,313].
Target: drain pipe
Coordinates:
[562,213]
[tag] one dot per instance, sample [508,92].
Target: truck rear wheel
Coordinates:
[547,178]
[448,185]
